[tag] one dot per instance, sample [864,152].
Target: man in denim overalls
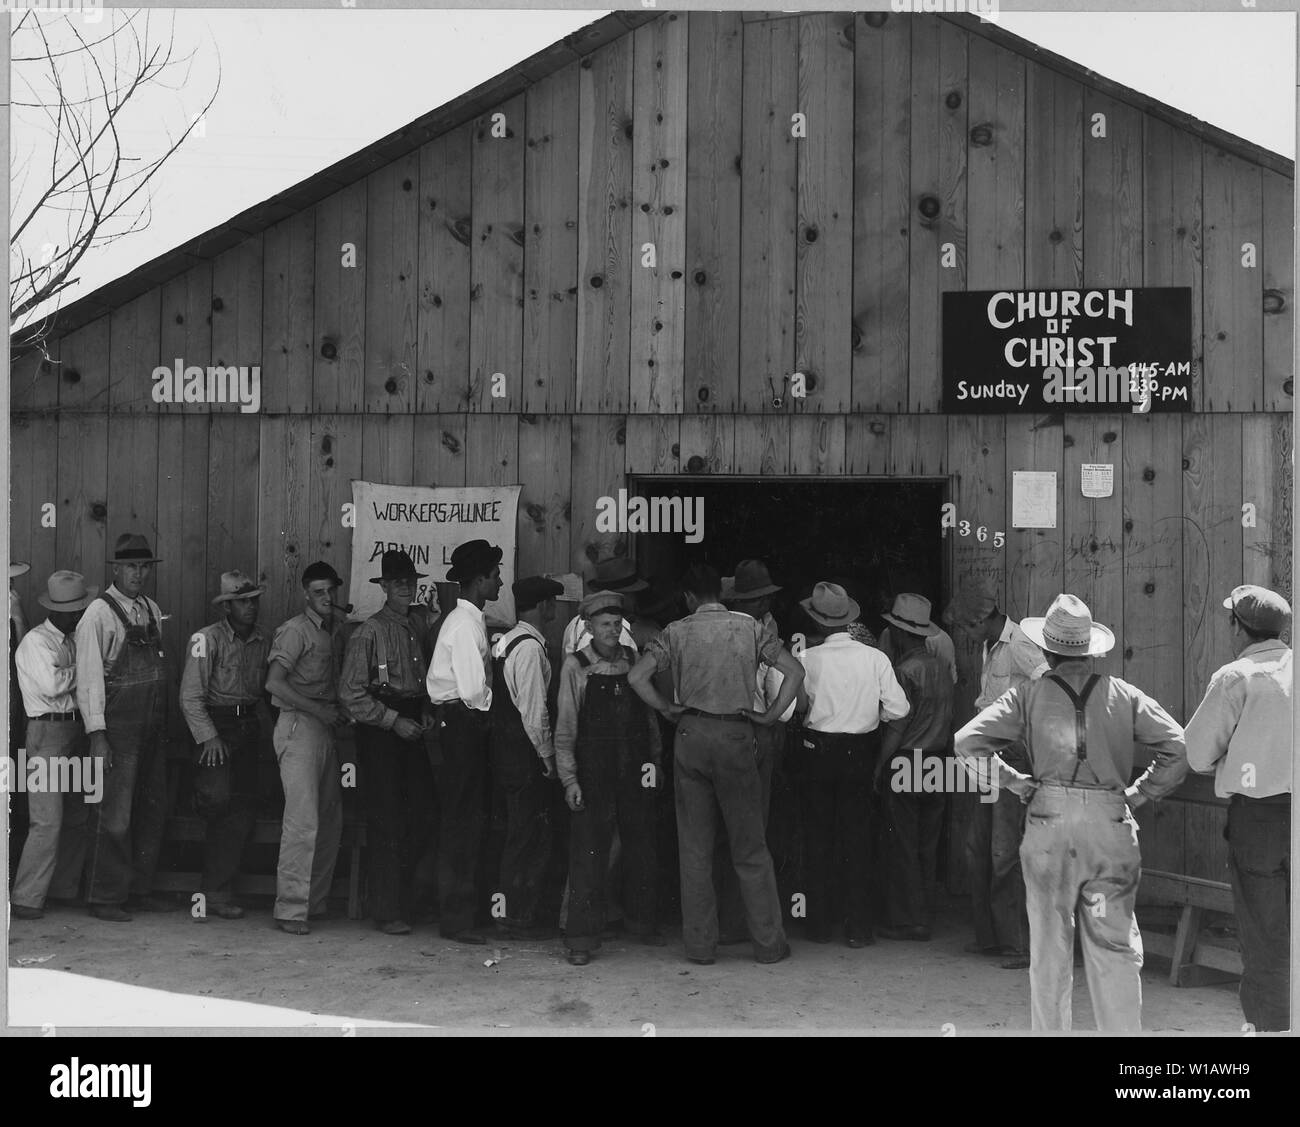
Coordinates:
[121,695]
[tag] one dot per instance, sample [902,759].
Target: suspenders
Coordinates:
[1079,700]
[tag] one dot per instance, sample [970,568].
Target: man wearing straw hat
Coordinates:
[225,670]
[1242,732]
[1080,850]
[121,694]
[47,670]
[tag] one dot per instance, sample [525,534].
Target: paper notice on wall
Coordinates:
[1097,479]
[572,586]
[1033,499]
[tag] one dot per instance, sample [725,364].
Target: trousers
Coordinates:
[1081,863]
[997,886]
[462,787]
[914,823]
[226,796]
[1259,866]
[313,814]
[55,850]
[768,745]
[716,775]
[518,772]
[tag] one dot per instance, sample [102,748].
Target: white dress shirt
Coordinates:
[47,670]
[527,674]
[1013,660]
[577,636]
[100,636]
[461,667]
[850,687]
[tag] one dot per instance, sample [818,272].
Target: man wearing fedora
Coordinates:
[914,812]
[1080,850]
[55,849]
[997,886]
[618,575]
[303,671]
[382,690]
[714,655]
[523,752]
[750,592]
[121,694]
[459,684]
[221,687]
[849,691]
[1242,732]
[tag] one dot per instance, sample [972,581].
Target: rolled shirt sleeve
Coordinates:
[92,639]
[526,680]
[194,687]
[568,705]
[1156,730]
[1210,729]
[354,682]
[996,728]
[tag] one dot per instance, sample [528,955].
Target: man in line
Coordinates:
[382,690]
[303,682]
[618,575]
[55,849]
[121,683]
[714,655]
[848,692]
[1080,851]
[915,815]
[523,753]
[221,688]
[459,684]
[1242,732]
[995,828]
[608,755]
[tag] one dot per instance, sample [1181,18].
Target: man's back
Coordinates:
[714,655]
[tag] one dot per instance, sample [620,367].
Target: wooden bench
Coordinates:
[266,831]
[1186,952]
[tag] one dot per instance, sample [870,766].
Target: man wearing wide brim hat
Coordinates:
[619,575]
[1242,732]
[849,692]
[122,697]
[225,671]
[914,811]
[382,689]
[55,850]
[1080,850]
[937,641]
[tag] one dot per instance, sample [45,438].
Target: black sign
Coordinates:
[1013,351]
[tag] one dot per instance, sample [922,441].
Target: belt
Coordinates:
[232,709]
[65,716]
[732,716]
[1283,799]
[458,703]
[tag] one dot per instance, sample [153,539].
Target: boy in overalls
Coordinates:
[607,753]
[120,695]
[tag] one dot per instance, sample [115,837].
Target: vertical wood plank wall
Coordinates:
[380,316]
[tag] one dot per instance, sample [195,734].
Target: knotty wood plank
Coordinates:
[284,517]
[81,540]
[186,328]
[1053,180]
[544,471]
[134,337]
[233,485]
[387,450]
[1267,483]
[440,451]
[1277,254]
[1112,192]
[83,367]
[288,305]
[597,471]
[866,444]
[762,444]
[237,310]
[651,445]
[492,450]
[712,440]
[34,483]
[338,357]
[392,206]
[336,448]
[996,193]
[817,445]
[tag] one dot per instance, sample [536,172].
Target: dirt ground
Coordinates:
[346,969]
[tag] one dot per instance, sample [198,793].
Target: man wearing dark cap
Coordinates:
[714,655]
[1242,732]
[459,684]
[303,683]
[225,671]
[618,575]
[914,810]
[608,755]
[382,689]
[121,694]
[55,850]
[523,752]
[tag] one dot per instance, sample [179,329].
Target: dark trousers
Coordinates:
[915,821]
[517,770]
[769,742]
[611,798]
[997,886]
[397,790]
[226,796]
[126,826]
[462,787]
[1259,863]
[716,773]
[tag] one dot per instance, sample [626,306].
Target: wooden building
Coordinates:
[515,244]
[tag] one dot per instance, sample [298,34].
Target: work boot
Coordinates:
[21,912]
[393,927]
[293,927]
[150,904]
[111,912]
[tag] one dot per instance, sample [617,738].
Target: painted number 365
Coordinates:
[981,533]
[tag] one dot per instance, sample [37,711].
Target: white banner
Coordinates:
[428,524]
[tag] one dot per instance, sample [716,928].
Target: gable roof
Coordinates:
[518,78]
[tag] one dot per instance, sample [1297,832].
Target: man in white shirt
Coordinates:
[995,828]
[460,686]
[523,753]
[47,670]
[121,694]
[849,690]
[619,575]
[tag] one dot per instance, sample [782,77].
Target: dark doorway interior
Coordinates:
[876,538]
